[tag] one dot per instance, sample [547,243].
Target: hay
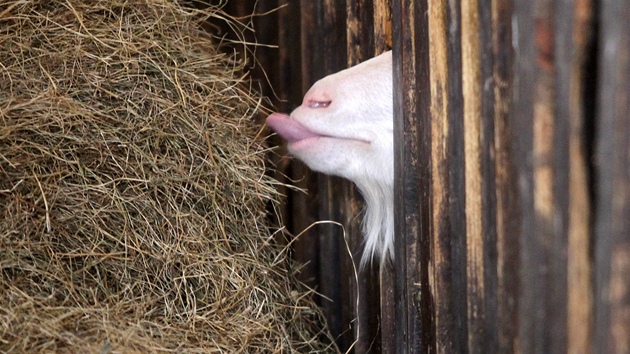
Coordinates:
[132,189]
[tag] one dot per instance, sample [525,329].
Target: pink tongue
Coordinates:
[289,129]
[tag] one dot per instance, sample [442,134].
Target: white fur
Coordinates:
[344,127]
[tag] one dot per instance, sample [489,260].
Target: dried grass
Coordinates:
[133,189]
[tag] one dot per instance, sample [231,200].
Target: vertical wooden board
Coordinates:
[454,237]
[284,74]
[540,293]
[573,35]
[287,71]
[415,324]
[438,61]
[360,31]
[521,135]
[506,172]
[548,116]
[533,133]
[490,326]
[612,175]
[387,319]
[365,288]
[472,148]
[448,177]
[481,222]
[551,172]
[382,26]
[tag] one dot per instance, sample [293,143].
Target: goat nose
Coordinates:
[318,104]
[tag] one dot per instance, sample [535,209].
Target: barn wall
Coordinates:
[514,218]
[512,131]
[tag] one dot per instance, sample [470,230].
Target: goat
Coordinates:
[344,127]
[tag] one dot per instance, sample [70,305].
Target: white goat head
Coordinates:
[344,127]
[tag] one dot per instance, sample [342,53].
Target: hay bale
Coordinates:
[133,189]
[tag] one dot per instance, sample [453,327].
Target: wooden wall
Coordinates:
[514,224]
[512,152]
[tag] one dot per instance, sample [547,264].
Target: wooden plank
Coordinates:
[533,335]
[462,224]
[472,90]
[387,320]
[382,26]
[449,220]
[287,85]
[574,25]
[612,173]
[415,325]
[506,173]
[360,31]
[547,126]
[478,61]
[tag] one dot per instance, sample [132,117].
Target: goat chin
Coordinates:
[344,127]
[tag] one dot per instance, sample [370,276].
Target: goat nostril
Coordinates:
[319,104]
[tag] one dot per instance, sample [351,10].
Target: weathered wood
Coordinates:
[382,26]
[415,325]
[387,323]
[507,210]
[532,331]
[449,193]
[574,35]
[478,59]
[506,144]
[547,126]
[612,176]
